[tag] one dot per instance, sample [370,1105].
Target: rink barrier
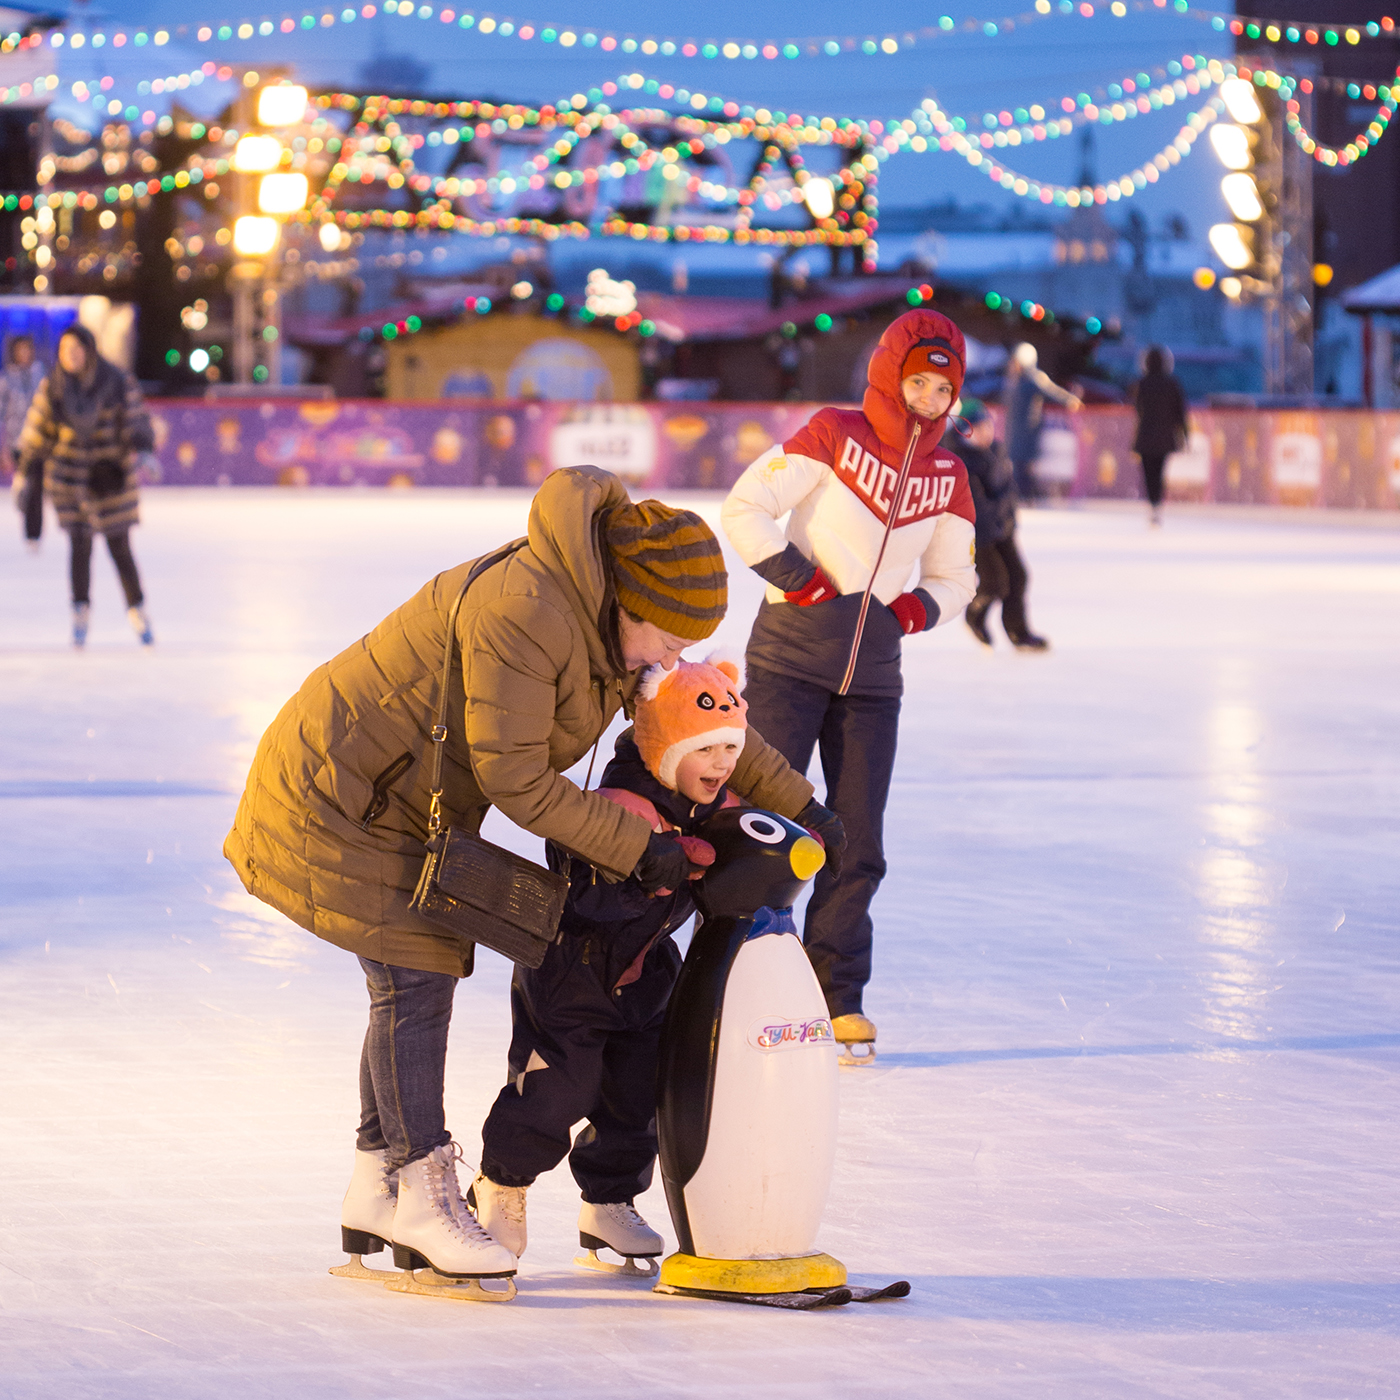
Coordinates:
[1339,458]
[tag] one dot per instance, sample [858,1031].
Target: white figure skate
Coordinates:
[853,1031]
[367,1216]
[438,1244]
[82,616]
[500,1210]
[141,625]
[620,1229]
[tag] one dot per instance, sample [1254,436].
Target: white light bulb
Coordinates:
[1242,195]
[1239,97]
[1232,145]
[1233,245]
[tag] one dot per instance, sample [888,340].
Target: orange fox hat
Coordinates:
[678,711]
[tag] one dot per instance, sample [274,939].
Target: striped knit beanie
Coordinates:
[668,568]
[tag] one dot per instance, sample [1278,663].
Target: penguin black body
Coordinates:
[762,861]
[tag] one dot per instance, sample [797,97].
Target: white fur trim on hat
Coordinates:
[731,658]
[653,678]
[671,759]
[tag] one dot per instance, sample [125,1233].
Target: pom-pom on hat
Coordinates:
[667,568]
[696,704]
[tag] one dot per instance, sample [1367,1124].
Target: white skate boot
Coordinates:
[437,1241]
[367,1216]
[141,625]
[620,1229]
[82,615]
[500,1210]
[853,1031]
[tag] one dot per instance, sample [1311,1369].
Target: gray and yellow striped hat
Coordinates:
[668,568]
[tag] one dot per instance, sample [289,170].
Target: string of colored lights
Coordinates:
[1359,144]
[1272,31]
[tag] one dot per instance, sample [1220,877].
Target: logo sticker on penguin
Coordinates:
[775,1033]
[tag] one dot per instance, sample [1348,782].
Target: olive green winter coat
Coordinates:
[332,825]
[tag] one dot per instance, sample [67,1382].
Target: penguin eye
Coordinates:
[705,700]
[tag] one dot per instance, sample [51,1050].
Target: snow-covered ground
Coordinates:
[1134,1125]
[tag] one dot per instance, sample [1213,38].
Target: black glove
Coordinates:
[664,864]
[823,823]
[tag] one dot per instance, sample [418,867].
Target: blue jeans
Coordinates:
[403,1065]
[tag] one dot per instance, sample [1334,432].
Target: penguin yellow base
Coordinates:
[687,1271]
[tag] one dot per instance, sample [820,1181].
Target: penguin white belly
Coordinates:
[762,1183]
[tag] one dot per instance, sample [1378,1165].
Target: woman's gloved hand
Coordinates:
[826,826]
[669,861]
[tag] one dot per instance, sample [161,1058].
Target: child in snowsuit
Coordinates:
[1001,572]
[837,476]
[587,1023]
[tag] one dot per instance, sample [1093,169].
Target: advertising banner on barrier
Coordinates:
[1336,457]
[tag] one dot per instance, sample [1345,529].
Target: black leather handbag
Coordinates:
[469,886]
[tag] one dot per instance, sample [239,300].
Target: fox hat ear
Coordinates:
[653,678]
[728,664]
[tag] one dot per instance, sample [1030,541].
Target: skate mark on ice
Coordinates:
[936,1059]
[14,788]
[1167,1305]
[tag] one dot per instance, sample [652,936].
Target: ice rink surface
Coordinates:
[1135,1122]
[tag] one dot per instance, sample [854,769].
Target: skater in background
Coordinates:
[1023,395]
[587,1022]
[18,384]
[88,432]
[1162,427]
[1001,572]
[333,825]
[836,477]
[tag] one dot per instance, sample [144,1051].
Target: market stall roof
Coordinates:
[1381,293]
[446,306]
[684,318]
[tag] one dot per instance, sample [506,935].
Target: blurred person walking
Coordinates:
[1023,395]
[1001,572]
[88,432]
[18,384]
[1163,426]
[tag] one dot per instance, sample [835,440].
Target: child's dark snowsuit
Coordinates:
[587,1022]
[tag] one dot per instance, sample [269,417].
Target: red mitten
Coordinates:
[910,612]
[636,804]
[698,852]
[819,589]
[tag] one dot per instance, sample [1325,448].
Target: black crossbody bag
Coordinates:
[468,886]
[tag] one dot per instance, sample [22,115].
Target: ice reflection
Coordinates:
[1235,886]
[259,934]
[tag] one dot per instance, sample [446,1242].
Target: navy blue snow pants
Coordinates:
[857,735]
[582,1048]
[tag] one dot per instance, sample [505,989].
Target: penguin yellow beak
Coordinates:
[807,857]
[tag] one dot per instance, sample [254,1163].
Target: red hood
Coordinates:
[883,404]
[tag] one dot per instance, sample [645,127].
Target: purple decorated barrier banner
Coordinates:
[1334,457]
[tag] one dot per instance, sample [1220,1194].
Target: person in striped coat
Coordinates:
[88,430]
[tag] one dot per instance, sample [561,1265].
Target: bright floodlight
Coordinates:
[820,197]
[254,236]
[1233,244]
[283,105]
[330,237]
[1231,145]
[282,194]
[1242,195]
[1232,287]
[1240,99]
[255,154]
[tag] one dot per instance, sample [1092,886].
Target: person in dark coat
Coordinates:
[1023,397]
[1001,572]
[18,384]
[88,431]
[587,1023]
[1162,427]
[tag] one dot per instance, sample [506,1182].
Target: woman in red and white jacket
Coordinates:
[836,480]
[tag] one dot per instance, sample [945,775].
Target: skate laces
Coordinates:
[464,1224]
[512,1199]
[625,1213]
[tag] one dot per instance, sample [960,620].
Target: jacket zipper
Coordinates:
[379,799]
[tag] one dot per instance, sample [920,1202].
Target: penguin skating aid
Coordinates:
[747,1103]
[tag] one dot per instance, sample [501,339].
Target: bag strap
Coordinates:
[439,730]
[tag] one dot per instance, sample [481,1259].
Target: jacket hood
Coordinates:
[884,404]
[565,536]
